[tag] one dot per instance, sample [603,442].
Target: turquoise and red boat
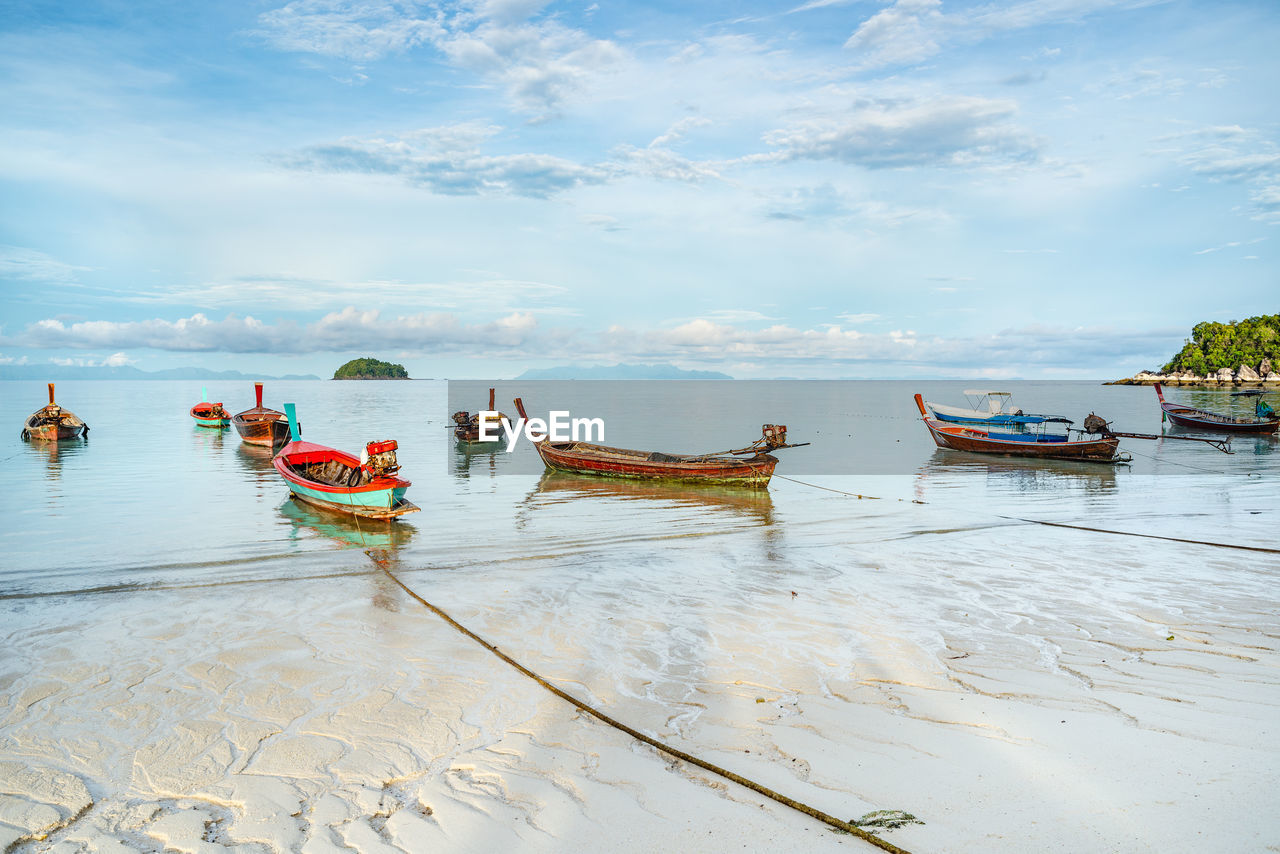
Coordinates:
[335,480]
[211,415]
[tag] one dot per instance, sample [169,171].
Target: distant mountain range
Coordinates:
[75,372]
[620,372]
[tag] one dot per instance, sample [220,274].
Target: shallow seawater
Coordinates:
[194,646]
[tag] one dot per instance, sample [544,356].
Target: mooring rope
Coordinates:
[1146,536]
[1262,549]
[812,812]
[841,491]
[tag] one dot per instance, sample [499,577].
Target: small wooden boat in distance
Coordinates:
[335,480]
[982,439]
[262,426]
[751,466]
[467,431]
[1200,419]
[209,414]
[52,422]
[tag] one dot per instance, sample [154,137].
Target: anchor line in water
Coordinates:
[1262,549]
[758,788]
[1146,536]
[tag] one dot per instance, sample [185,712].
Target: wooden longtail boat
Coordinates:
[262,426]
[981,440]
[1200,419]
[990,407]
[52,423]
[733,468]
[209,414]
[335,480]
[467,431]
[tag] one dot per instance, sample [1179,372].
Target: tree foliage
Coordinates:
[1229,345]
[370,369]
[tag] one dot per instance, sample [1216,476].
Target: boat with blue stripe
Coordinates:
[335,480]
[990,407]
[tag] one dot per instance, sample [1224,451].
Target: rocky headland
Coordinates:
[1261,375]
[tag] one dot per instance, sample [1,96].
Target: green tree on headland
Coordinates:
[1229,345]
[370,369]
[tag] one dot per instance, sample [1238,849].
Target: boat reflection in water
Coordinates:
[945,470]
[256,460]
[208,438]
[740,501]
[57,453]
[346,529]
[477,458]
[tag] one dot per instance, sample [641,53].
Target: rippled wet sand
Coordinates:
[1016,692]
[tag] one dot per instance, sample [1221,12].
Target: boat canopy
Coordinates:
[979,391]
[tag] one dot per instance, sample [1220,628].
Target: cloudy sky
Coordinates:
[833,188]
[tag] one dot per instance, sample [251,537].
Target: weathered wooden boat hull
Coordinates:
[974,440]
[468,438]
[52,423]
[262,430]
[380,498]
[51,432]
[467,433]
[1200,419]
[602,461]
[262,426]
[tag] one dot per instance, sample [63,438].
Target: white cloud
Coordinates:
[348,329]
[826,203]
[485,293]
[664,165]
[703,340]
[1266,201]
[447,160]
[736,315]
[941,131]
[29,265]
[1234,154]
[117,360]
[856,319]
[350,30]
[678,131]
[540,63]
[910,31]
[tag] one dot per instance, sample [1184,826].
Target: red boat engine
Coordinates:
[380,457]
[775,435]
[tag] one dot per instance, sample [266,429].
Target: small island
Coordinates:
[1241,352]
[370,369]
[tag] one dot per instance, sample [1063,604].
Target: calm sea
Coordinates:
[151,500]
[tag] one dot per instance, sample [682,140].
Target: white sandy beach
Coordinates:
[1122,699]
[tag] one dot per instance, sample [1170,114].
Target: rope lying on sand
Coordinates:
[1056,524]
[381,560]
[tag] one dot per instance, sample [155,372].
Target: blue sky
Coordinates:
[1035,188]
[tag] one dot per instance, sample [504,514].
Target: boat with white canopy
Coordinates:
[988,407]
